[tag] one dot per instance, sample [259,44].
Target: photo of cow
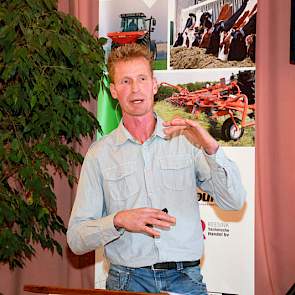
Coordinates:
[136,21]
[222,101]
[212,33]
[292,33]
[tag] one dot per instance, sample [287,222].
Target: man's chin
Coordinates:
[139,113]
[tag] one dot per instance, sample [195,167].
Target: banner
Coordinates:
[108,109]
[228,261]
[204,62]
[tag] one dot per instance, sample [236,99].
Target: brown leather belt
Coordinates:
[173,265]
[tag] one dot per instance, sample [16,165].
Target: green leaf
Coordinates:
[84,49]
[33,101]
[42,213]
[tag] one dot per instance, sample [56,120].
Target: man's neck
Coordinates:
[141,127]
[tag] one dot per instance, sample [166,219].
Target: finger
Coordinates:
[149,214]
[175,130]
[166,221]
[162,224]
[192,123]
[165,217]
[149,210]
[175,122]
[152,232]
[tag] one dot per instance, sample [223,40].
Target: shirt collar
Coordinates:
[122,134]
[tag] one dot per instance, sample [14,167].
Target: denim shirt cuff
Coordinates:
[216,160]
[109,232]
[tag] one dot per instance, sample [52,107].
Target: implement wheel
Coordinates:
[229,131]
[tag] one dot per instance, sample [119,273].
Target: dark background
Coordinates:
[292,33]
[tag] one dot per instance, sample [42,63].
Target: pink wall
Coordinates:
[275,138]
[85,11]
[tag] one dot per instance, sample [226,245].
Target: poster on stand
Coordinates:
[212,34]
[204,62]
[140,21]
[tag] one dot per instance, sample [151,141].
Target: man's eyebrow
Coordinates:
[125,77]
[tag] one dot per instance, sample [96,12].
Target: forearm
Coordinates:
[85,236]
[225,184]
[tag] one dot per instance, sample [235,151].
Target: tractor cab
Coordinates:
[135,28]
[133,22]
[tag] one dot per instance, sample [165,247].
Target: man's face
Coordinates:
[134,87]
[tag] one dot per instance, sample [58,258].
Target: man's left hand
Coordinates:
[193,131]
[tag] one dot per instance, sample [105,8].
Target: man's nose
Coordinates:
[134,85]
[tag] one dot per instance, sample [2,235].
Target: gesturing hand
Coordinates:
[140,220]
[193,131]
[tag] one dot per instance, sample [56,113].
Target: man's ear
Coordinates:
[113,91]
[155,85]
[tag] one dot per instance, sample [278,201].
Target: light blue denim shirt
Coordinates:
[119,173]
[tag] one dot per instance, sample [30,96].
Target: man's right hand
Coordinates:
[141,220]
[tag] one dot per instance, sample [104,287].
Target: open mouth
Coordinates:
[137,101]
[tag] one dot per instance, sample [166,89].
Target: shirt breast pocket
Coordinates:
[121,182]
[176,172]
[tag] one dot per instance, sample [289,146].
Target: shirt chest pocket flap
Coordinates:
[176,172]
[120,181]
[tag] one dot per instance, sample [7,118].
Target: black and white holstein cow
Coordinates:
[239,42]
[189,31]
[193,33]
[186,37]
[242,43]
[223,27]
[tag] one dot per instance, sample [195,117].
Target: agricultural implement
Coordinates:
[218,100]
[135,28]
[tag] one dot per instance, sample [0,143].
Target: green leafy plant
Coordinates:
[49,65]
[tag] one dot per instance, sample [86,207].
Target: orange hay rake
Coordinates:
[215,101]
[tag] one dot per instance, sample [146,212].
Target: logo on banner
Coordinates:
[204,198]
[218,229]
[149,3]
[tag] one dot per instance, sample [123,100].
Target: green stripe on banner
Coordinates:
[108,109]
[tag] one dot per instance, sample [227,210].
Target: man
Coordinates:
[133,176]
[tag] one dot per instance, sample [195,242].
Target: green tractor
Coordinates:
[135,27]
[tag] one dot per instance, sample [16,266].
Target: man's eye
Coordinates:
[142,78]
[125,81]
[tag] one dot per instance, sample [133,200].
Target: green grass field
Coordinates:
[167,111]
[160,64]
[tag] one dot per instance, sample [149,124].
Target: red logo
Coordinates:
[203,228]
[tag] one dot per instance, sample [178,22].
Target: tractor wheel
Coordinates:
[229,131]
[153,49]
[151,45]
[144,41]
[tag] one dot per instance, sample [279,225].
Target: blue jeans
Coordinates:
[186,281]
